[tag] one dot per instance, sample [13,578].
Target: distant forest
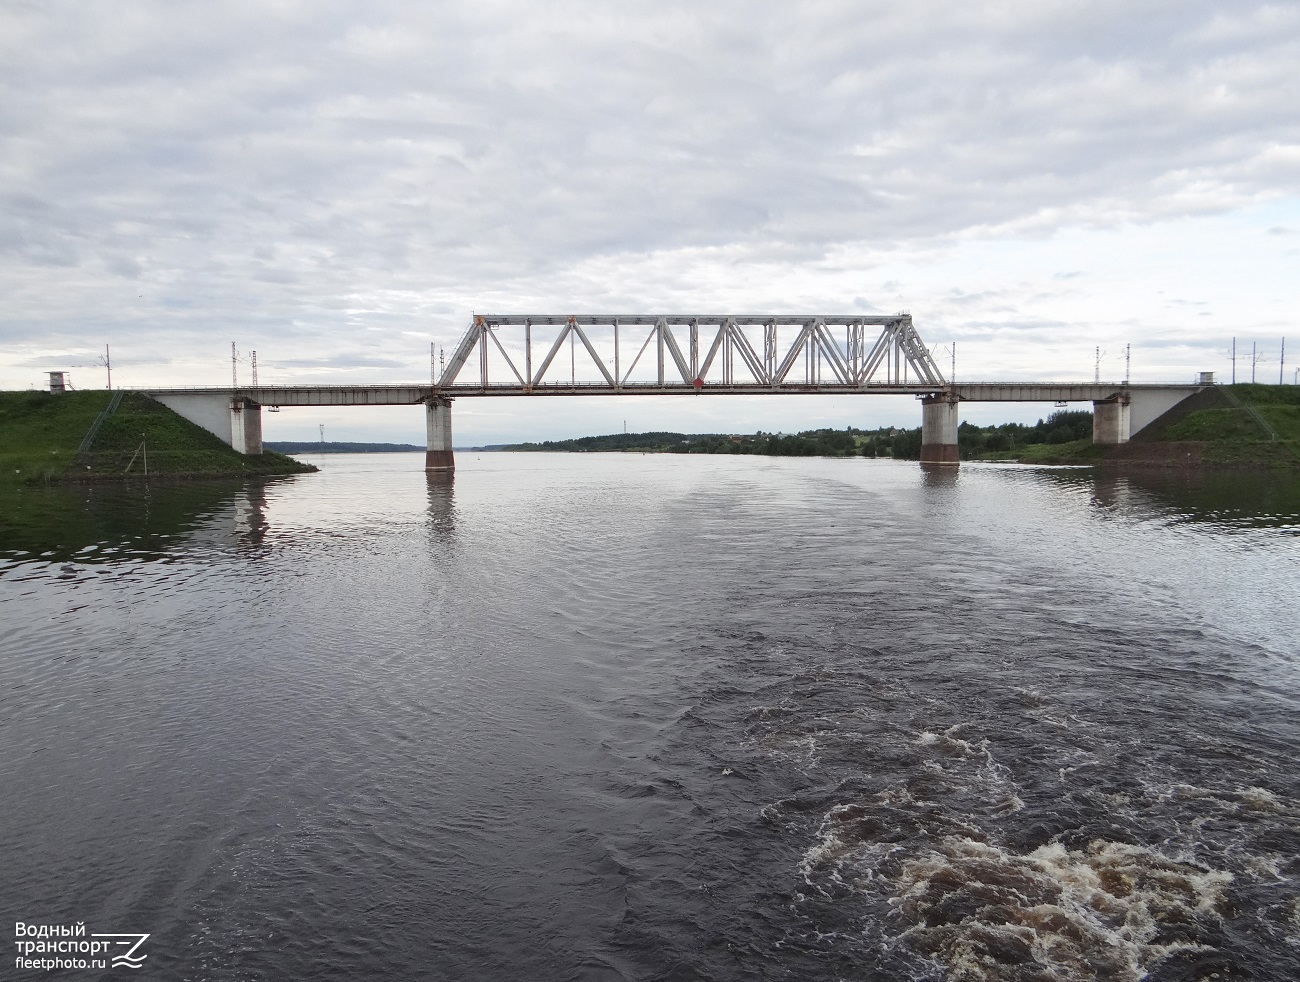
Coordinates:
[316,446]
[904,444]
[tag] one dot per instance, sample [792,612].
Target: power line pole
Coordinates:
[234,367]
[108,365]
[1234,361]
[1128,361]
[255,369]
[1281,365]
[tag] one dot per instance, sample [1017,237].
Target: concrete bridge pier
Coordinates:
[246,426]
[939,430]
[1110,420]
[438,456]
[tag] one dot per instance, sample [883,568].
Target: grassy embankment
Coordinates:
[40,434]
[1249,425]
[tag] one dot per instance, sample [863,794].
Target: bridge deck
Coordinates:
[406,395]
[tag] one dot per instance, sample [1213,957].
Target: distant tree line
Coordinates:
[903,444]
[316,446]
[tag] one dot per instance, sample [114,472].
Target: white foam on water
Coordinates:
[949,742]
[988,913]
[1260,799]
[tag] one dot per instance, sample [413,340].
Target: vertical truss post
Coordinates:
[482,353]
[695,350]
[727,376]
[659,344]
[528,356]
[769,351]
[618,378]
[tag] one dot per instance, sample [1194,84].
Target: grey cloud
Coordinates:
[340,163]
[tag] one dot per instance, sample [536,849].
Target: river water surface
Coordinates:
[658,717]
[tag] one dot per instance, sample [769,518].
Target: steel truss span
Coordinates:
[521,354]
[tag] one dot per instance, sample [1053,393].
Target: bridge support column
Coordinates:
[1110,421]
[939,430]
[246,426]
[438,455]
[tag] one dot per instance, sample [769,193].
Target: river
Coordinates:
[658,718]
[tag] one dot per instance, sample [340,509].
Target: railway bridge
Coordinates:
[682,354]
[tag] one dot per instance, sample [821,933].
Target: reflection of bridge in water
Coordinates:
[683,355]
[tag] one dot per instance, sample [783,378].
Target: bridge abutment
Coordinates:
[1110,421]
[939,430]
[233,418]
[438,456]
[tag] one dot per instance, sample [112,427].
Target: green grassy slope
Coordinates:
[40,433]
[1231,434]
[1210,429]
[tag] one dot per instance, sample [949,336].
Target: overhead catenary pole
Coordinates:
[255,369]
[1128,361]
[234,367]
[1281,365]
[108,365]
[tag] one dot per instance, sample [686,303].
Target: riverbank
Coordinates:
[41,437]
[1224,427]
[1230,427]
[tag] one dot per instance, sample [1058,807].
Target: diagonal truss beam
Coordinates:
[897,357]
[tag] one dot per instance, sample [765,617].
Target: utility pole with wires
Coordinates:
[1128,361]
[1281,364]
[255,369]
[1096,367]
[108,366]
[234,366]
[952,358]
[1234,361]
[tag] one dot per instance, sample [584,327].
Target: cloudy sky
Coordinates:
[338,184]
